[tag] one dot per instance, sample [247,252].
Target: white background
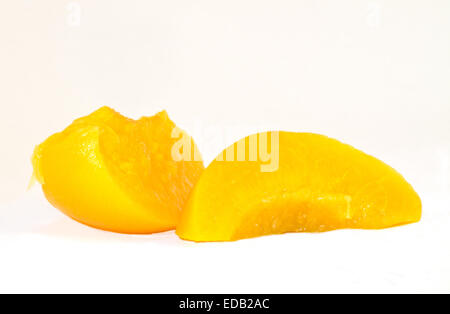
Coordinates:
[375,74]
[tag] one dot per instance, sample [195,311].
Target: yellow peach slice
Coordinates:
[280,182]
[117,174]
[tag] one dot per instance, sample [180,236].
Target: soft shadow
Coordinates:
[70,229]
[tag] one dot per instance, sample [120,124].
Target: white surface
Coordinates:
[374,74]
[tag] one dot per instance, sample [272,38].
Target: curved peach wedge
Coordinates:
[279,182]
[118,174]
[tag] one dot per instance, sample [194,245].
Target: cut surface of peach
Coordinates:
[280,182]
[118,174]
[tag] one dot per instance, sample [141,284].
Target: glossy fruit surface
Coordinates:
[118,174]
[281,182]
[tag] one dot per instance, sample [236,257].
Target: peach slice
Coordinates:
[119,174]
[280,182]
